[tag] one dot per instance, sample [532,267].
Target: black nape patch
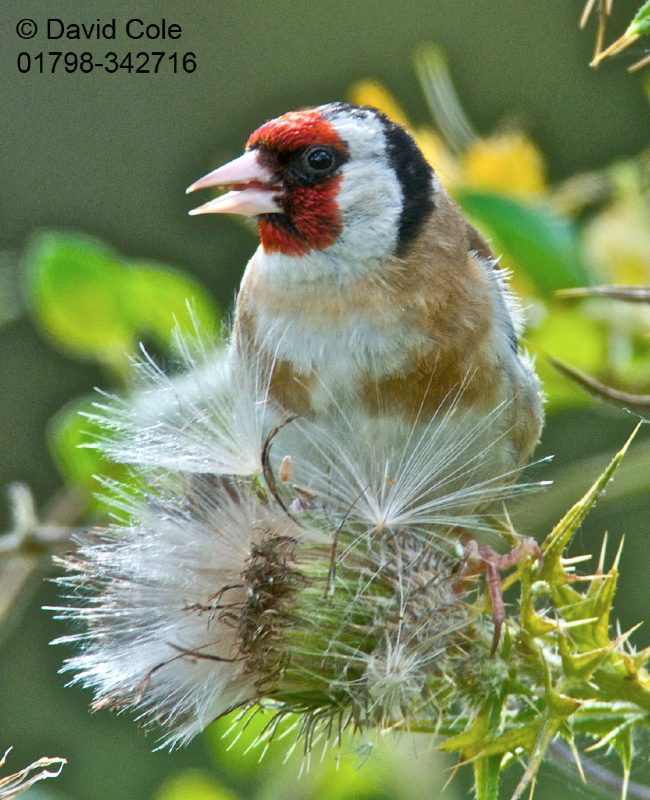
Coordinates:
[412,169]
[414,175]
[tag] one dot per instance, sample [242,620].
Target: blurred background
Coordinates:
[549,158]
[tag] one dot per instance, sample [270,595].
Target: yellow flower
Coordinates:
[375,94]
[617,244]
[617,240]
[508,163]
[438,155]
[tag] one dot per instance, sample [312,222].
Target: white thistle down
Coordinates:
[153,593]
[434,475]
[332,592]
[207,419]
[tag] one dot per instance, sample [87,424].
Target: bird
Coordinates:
[370,289]
[369,286]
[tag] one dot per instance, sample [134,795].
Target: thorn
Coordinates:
[586,12]
[600,34]
[533,784]
[618,553]
[617,47]
[639,64]
[600,569]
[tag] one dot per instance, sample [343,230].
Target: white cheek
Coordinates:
[365,141]
[370,202]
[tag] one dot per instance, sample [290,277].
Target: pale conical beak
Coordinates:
[254,191]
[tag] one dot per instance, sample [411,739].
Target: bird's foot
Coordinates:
[480,558]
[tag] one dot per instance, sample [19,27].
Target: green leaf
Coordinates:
[541,241]
[69,434]
[342,781]
[640,25]
[160,298]
[98,305]
[75,288]
[239,745]
[569,335]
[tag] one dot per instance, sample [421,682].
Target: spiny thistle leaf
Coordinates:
[599,688]
[556,542]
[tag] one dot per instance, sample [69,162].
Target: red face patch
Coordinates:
[313,222]
[311,219]
[294,130]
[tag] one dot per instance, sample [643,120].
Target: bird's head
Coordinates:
[337,179]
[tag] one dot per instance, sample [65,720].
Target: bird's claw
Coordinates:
[482,558]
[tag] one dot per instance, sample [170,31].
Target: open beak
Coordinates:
[253,189]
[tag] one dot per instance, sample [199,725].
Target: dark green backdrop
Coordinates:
[110,155]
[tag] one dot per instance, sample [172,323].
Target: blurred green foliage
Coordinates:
[193,785]
[97,305]
[543,242]
[71,437]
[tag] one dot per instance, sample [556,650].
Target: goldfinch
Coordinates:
[370,288]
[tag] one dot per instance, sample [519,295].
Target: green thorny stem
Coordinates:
[640,26]
[557,673]
[563,675]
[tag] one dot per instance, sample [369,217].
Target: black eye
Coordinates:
[320,159]
[310,166]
